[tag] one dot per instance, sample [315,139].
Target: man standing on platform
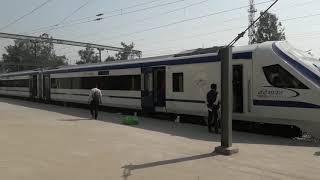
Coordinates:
[95,96]
[213,105]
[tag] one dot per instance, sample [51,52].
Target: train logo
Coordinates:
[275,92]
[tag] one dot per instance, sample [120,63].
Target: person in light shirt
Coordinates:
[95,96]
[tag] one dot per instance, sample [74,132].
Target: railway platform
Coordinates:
[41,141]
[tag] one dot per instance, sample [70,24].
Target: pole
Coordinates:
[99,49]
[225,55]
[35,52]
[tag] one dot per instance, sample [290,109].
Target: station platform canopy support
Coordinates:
[226,148]
[225,55]
[36,39]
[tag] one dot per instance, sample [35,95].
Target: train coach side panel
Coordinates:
[197,79]
[112,98]
[15,91]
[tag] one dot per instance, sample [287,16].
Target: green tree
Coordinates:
[88,56]
[127,52]
[268,29]
[27,55]
[110,58]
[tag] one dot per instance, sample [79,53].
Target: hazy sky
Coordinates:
[157,27]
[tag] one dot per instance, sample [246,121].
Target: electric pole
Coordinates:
[252,11]
[225,55]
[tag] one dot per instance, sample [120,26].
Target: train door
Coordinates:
[237,85]
[159,86]
[30,86]
[46,87]
[33,86]
[147,99]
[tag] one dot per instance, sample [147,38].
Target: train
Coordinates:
[273,82]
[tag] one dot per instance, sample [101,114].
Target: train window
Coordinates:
[318,67]
[124,82]
[76,83]
[279,77]
[89,82]
[15,83]
[54,84]
[61,83]
[177,82]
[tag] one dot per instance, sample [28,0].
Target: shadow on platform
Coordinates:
[175,129]
[74,119]
[127,169]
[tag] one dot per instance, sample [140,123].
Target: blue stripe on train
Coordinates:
[285,104]
[194,60]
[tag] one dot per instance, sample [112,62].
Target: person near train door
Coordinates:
[95,96]
[213,105]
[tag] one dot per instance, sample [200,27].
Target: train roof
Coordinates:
[243,51]
[21,73]
[135,62]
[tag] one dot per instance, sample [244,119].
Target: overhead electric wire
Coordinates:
[25,15]
[220,31]
[240,35]
[229,29]
[69,15]
[88,17]
[202,34]
[301,17]
[142,9]
[295,5]
[120,9]
[98,19]
[103,18]
[243,26]
[75,11]
[144,19]
[185,20]
[52,27]
[308,35]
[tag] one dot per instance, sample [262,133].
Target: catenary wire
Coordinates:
[25,15]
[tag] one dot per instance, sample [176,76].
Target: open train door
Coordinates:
[159,87]
[147,100]
[237,88]
[46,87]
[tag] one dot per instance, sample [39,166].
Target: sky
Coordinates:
[156,27]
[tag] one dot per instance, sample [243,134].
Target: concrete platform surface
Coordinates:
[47,142]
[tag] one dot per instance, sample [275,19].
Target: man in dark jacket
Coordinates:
[213,107]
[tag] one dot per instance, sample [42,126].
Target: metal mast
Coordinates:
[252,11]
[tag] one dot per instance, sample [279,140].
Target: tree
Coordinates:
[268,29]
[88,56]
[110,58]
[27,55]
[127,52]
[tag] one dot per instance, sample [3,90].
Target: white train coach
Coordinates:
[272,83]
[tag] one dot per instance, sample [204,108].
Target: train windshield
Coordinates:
[303,57]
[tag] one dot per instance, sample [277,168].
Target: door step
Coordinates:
[160,109]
